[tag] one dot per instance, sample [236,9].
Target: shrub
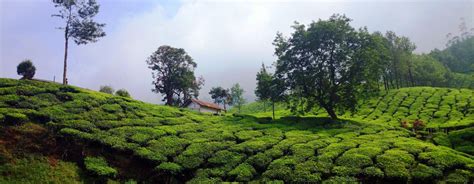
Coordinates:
[26,68]
[340,179]
[243,172]
[307,172]
[395,163]
[418,125]
[106,89]
[280,169]
[354,160]
[444,158]
[425,173]
[168,146]
[260,160]
[99,166]
[148,154]
[367,151]
[374,172]
[122,93]
[442,139]
[248,134]
[346,171]
[15,118]
[226,157]
[170,167]
[111,108]
[189,161]
[459,176]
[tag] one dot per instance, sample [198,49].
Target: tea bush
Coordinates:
[367,145]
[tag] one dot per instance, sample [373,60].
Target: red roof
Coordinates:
[207,104]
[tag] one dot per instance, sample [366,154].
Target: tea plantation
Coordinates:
[118,139]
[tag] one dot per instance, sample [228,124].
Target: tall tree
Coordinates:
[399,67]
[173,75]
[220,96]
[322,61]
[270,87]
[236,93]
[79,24]
[264,81]
[277,91]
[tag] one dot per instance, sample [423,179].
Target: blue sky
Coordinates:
[229,39]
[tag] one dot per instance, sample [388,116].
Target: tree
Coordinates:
[236,93]
[173,75]
[122,93]
[429,72]
[26,68]
[277,91]
[399,68]
[270,87]
[264,80]
[106,89]
[220,96]
[322,61]
[79,24]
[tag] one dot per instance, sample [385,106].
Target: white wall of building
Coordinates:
[196,107]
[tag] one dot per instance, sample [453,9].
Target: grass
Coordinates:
[185,146]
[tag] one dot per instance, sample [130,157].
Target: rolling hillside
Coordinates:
[100,137]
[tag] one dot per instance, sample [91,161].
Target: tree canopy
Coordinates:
[26,69]
[173,75]
[221,96]
[236,93]
[323,61]
[79,24]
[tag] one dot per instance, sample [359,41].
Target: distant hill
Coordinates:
[52,133]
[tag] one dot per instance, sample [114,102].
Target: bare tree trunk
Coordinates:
[331,112]
[169,99]
[273,109]
[66,43]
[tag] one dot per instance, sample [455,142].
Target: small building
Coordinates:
[202,106]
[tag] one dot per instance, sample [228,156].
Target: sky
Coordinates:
[229,40]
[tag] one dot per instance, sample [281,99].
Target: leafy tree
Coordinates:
[122,93]
[277,91]
[173,75]
[399,68]
[264,80]
[270,87]
[221,96]
[107,89]
[323,62]
[79,24]
[236,93]
[429,72]
[26,68]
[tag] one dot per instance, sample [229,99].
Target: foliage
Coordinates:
[199,147]
[236,93]
[26,68]
[122,93]
[79,24]
[221,96]
[37,169]
[329,72]
[99,166]
[173,74]
[106,89]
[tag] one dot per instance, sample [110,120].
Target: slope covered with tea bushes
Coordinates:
[120,138]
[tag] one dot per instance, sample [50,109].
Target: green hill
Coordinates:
[96,137]
[438,107]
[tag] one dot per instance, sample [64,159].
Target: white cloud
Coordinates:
[228,39]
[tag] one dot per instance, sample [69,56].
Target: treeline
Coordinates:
[330,64]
